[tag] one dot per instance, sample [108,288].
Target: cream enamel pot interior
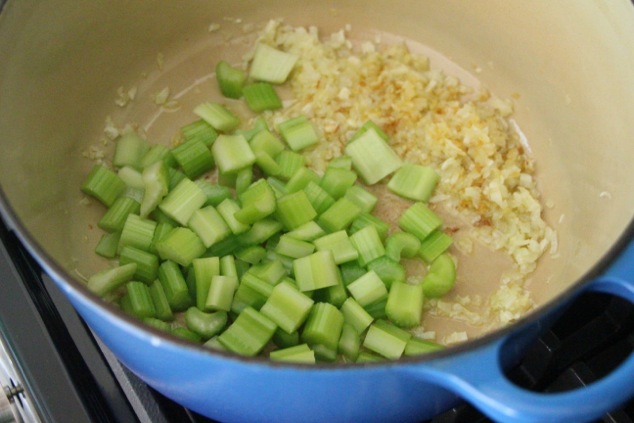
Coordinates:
[572,63]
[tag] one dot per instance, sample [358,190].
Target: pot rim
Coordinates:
[56,271]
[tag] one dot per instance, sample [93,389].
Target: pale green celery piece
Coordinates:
[372,157]
[231,79]
[440,278]
[295,354]
[405,304]
[315,271]
[232,153]
[204,268]
[155,186]
[419,220]
[182,201]
[227,210]
[271,65]
[131,176]
[339,244]
[414,182]
[368,243]
[180,245]
[107,280]
[368,289]
[386,340]
[287,306]
[129,150]
[218,116]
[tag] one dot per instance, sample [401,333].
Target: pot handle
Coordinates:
[478,375]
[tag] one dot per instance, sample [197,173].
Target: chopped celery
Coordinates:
[362,198]
[368,289]
[367,219]
[249,333]
[440,278]
[162,308]
[368,243]
[140,299]
[180,245]
[294,210]
[261,96]
[258,202]
[419,220]
[355,315]
[296,354]
[318,197]
[349,342]
[131,176]
[218,116]
[108,280]
[337,181]
[115,217]
[194,158]
[205,325]
[108,245]
[103,184]
[293,248]
[302,177]
[265,142]
[372,157]
[227,210]
[137,232]
[287,307]
[402,244]
[323,326]
[230,79]
[386,339]
[340,246]
[315,271]
[339,216]
[129,150]
[147,263]
[417,346]
[309,231]
[232,153]
[209,225]
[204,268]
[271,65]
[298,133]
[174,286]
[290,162]
[415,182]
[182,201]
[215,193]
[157,152]
[434,245]
[388,270]
[244,178]
[221,291]
[405,304]
[199,130]
[155,186]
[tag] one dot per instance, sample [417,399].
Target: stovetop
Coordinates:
[68,375]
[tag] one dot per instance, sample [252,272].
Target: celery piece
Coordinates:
[230,79]
[271,272]
[129,150]
[215,193]
[108,280]
[108,245]
[174,286]
[186,334]
[283,339]
[302,177]
[244,178]
[267,164]
[417,346]
[309,231]
[228,266]
[367,219]
[368,289]
[355,315]
[370,125]
[252,254]
[261,96]
[295,354]
[245,296]
[368,357]
[293,248]
[402,244]
[414,182]
[155,187]
[232,153]
[372,157]
[271,65]
[225,247]
[158,324]
[315,271]
[318,197]
[419,220]
[258,202]
[368,243]
[116,215]
[259,233]
[377,308]
[221,292]
[388,270]
[249,333]
[341,162]
[103,184]
[180,245]
[209,225]
[338,216]
[176,176]
[298,132]
[265,142]
[181,202]
[218,116]
[294,210]
[290,162]
[434,245]
[339,244]
[323,326]
[227,210]
[131,177]
[157,152]
[362,198]
[349,342]
[204,269]
[147,263]
[137,232]
[278,186]
[205,325]
[440,277]
[201,131]
[386,339]
[194,158]
[351,271]
[140,299]
[335,294]
[135,194]
[337,181]
[404,304]
[162,229]
[287,306]
[214,344]
[161,305]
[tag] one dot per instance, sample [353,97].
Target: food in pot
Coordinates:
[325,245]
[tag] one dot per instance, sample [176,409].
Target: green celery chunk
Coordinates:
[204,269]
[199,130]
[419,220]
[339,244]
[349,342]
[258,202]
[221,291]
[341,162]
[230,79]
[334,294]
[386,339]
[402,244]
[180,245]
[298,132]
[162,307]
[158,324]
[323,328]
[302,177]
[194,158]
[103,184]
[137,232]
[318,197]
[129,150]
[370,125]
[107,280]
[232,153]
[368,357]
[293,248]
[252,254]
[351,271]
[337,181]
[218,116]
[215,193]
[338,216]
[405,304]
[415,182]
[434,245]
[368,289]
[205,325]
[209,225]
[244,179]
[182,201]
[157,152]
[108,245]
[174,286]
[249,333]
[355,315]
[296,354]
[131,176]
[227,210]
[115,217]
[372,157]
[315,271]
[294,210]
[290,162]
[287,307]
[440,278]
[271,65]
[228,266]
[185,333]
[272,272]
[367,219]
[417,346]
[155,186]
[267,164]
[368,243]
[140,299]
[283,339]
[388,270]
[261,96]
[147,263]
[265,142]
[309,231]
[362,198]
[259,233]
